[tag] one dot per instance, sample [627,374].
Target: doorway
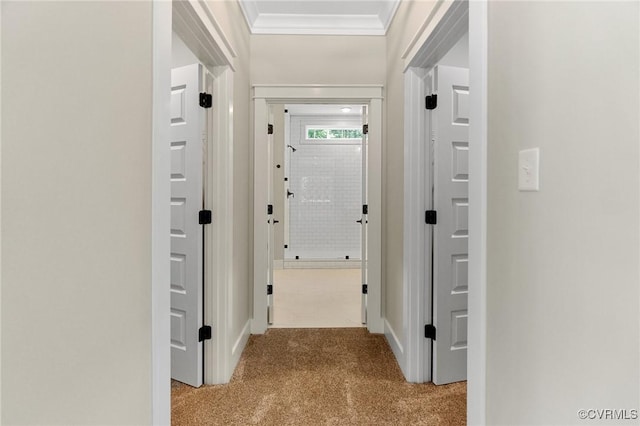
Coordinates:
[317,213]
[449,23]
[436,223]
[264,220]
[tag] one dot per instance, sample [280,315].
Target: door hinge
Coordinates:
[431,217]
[269,129]
[365,209]
[269,289]
[365,129]
[432,101]
[269,208]
[430,331]
[365,289]
[204,333]
[204,217]
[206,100]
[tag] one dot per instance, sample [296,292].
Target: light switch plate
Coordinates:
[529,170]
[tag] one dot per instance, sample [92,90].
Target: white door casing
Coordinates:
[271,221]
[450,138]
[263,96]
[364,221]
[187,142]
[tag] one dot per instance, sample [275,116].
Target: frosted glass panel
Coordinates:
[327,182]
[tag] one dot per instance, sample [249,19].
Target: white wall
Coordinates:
[76,213]
[563,293]
[291,59]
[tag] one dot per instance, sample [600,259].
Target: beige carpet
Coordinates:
[318,377]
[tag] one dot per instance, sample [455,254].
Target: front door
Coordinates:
[187,140]
[450,131]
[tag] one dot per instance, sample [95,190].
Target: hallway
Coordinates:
[318,377]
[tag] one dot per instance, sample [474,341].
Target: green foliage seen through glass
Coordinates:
[334,133]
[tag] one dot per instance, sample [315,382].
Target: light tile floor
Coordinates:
[317,298]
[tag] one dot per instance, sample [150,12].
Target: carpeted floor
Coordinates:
[318,377]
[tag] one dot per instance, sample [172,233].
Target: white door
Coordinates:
[363,219]
[271,221]
[450,127]
[187,126]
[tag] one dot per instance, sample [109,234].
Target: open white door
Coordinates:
[450,131]
[365,211]
[271,221]
[187,127]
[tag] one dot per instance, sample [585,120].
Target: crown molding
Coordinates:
[318,24]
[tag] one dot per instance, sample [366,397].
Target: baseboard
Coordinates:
[322,264]
[238,347]
[396,345]
[278,264]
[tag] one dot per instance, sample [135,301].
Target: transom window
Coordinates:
[322,133]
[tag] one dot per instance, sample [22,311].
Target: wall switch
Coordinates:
[529,170]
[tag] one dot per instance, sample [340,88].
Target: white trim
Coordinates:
[417,256]
[318,93]
[478,122]
[318,24]
[364,94]
[250,12]
[219,241]
[293,24]
[260,201]
[236,350]
[287,172]
[442,29]
[160,216]
[152,342]
[395,344]
[197,27]
[322,264]
[387,12]
[374,216]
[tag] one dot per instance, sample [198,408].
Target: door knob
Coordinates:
[290,194]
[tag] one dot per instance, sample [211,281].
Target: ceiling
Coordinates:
[321,17]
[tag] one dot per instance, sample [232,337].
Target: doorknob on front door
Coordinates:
[290,194]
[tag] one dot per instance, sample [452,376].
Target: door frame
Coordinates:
[195,23]
[447,23]
[263,96]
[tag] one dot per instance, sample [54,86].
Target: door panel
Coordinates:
[450,127]
[187,124]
